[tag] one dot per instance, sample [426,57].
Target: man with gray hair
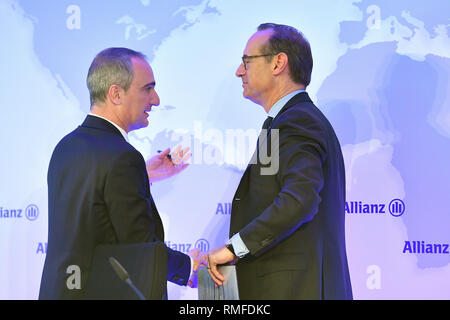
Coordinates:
[98,183]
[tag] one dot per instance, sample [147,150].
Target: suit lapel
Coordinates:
[242,189]
[264,135]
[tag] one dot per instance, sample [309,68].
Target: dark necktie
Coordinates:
[267,125]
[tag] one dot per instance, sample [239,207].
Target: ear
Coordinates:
[115,94]
[280,63]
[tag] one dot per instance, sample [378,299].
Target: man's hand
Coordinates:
[216,257]
[199,259]
[163,165]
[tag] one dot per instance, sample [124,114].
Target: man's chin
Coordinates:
[141,125]
[246,95]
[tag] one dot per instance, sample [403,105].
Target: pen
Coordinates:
[168,156]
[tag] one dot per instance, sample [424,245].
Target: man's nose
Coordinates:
[155,99]
[240,70]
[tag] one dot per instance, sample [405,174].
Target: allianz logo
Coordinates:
[395,207]
[30,213]
[201,244]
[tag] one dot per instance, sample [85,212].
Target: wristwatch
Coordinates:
[229,246]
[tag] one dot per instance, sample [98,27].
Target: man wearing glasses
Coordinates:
[287,234]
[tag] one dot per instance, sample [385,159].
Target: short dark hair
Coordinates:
[110,66]
[292,42]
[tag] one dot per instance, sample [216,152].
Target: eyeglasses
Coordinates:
[245,58]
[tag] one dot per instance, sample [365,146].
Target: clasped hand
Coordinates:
[199,259]
[211,260]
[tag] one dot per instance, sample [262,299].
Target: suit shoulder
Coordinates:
[303,115]
[101,143]
[303,110]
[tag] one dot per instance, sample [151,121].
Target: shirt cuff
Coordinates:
[240,249]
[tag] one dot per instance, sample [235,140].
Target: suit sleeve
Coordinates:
[179,267]
[127,201]
[129,205]
[302,153]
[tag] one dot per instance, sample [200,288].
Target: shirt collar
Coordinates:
[123,132]
[273,112]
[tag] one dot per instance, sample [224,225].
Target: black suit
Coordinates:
[98,193]
[293,221]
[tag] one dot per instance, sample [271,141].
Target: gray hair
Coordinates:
[111,66]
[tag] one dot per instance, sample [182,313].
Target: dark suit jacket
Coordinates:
[98,193]
[293,221]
